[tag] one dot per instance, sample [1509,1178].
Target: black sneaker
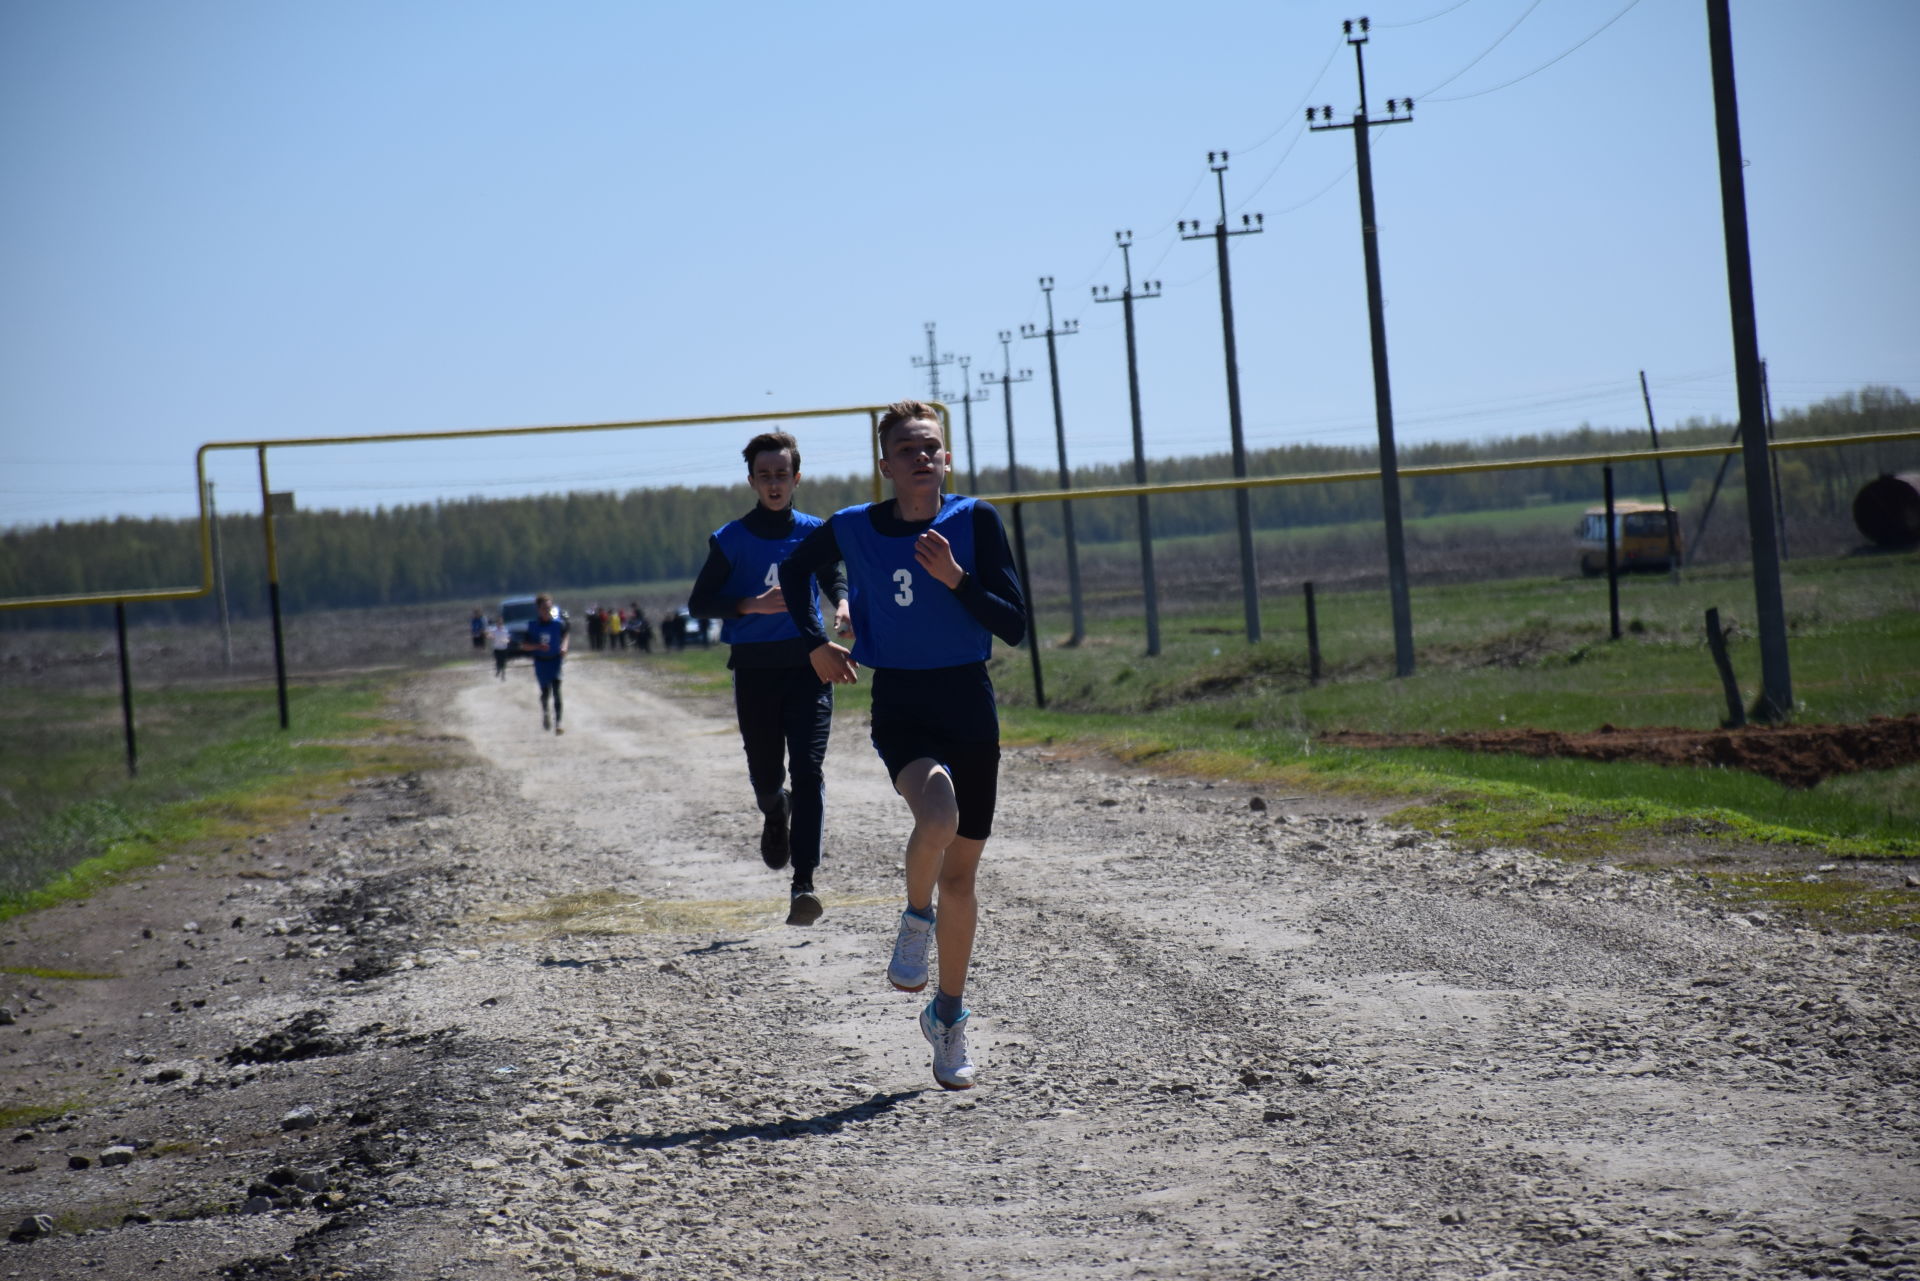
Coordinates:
[805,907]
[773,834]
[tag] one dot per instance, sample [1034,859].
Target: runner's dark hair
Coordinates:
[767,442]
[901,412]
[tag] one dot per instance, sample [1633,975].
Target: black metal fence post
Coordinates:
[1026,584]
[1313,638]
[1613,560]
[126,688]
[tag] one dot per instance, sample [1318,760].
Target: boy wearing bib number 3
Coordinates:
[931,584]
[785,711]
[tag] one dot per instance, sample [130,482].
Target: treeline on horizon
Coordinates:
[479,549]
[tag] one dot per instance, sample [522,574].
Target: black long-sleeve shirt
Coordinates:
[991,592]
[707,600]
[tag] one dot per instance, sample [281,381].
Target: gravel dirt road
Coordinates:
[537,1014]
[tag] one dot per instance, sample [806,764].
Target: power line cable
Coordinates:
[1180,210]
[68,462]
[1033,305]
[1178,214]
[1088,280]
[1193,280]
[1162,258]
[1293,117]
[1397,26]
[1337,180]
[1484,52]
[1536,71]
[1299,132]
[1293,121]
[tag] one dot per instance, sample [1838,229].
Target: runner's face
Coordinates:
[916,459]
[773,477]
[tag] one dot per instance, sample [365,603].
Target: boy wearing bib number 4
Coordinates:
[785,710]
[931,584]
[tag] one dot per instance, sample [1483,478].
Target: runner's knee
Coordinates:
[935,819]
[957,881]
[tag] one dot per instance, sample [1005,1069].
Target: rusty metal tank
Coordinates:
[1887,510]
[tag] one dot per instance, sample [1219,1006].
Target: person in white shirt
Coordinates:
[502,648]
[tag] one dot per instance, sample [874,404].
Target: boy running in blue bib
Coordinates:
[785,711]
[546,640]
[931,583]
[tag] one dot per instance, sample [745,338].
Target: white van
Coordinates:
[516,612]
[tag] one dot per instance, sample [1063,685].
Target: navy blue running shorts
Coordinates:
[974,767]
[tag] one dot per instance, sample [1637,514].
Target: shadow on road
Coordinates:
[790,1128]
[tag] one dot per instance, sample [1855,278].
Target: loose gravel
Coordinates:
[537,1015]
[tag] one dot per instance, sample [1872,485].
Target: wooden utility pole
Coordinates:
[1776,676]
[931,362]
[1006,380]
[1250,224]
[1667,513]
[969,397]
[1150,594]
[1065,329]
[1399,111]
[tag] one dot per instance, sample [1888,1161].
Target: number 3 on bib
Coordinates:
[903,577]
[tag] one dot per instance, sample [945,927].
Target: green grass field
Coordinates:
[213,764]
[1552,520]
[1528,652]
[1523,651]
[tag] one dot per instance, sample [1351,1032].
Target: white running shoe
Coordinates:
[908,969]
[952,1065]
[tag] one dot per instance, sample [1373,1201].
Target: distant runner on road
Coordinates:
[502,647]
[932,583]
[545,641]
[784,709]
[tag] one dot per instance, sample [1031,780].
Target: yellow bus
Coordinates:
[1641,534]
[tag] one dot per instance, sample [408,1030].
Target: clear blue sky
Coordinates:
[228,220]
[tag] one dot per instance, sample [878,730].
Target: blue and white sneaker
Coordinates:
[952,1065]
[908,969]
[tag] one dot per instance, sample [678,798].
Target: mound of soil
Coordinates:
[1794,755]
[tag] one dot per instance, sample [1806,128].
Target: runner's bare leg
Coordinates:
[938,857]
